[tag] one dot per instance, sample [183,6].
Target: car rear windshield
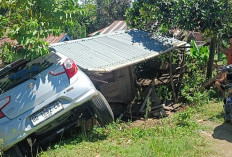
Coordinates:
[22,70]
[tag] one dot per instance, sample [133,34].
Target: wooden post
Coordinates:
[145,101]
[181,72]
[154,98]
[171,77]
[153,94]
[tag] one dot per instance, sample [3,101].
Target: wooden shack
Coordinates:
[109,60]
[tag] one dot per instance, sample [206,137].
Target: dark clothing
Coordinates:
[229,77]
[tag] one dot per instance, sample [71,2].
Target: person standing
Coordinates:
[225,76]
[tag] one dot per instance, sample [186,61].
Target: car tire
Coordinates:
[102,110]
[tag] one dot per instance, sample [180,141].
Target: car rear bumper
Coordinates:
[15,130]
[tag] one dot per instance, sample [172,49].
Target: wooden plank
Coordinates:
[145,101]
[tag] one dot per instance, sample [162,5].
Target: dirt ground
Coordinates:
[220,138]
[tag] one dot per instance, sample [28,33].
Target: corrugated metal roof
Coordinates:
[109,52]
[51,39]
[117,25]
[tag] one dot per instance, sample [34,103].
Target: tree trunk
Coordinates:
[211,58]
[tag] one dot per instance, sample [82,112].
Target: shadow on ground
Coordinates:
[223,132]
[73,136]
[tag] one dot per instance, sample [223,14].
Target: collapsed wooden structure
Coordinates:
[111,61]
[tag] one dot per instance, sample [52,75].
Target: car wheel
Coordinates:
[102,110]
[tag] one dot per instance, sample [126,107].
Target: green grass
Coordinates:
[177,135]
[213,111]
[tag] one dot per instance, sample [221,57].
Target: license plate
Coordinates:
[46,113]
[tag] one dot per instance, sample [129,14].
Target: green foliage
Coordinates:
[191,86]
[196,62]
[108,11]
[200,54]
[100,13]
[192,83]
[29,22]
[88,23]
[148,108]
[193,79]
[222,58]
[191,91]
[212,111]
[184,119]
[210,17]
[163,92]
[77,31]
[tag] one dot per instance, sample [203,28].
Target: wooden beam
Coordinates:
[145,101]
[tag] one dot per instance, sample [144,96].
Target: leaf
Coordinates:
[17,22]
[35,32]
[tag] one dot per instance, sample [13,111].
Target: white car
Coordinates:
[43,97]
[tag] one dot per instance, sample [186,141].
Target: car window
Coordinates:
[22,70]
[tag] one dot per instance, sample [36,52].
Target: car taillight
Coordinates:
[3,102]
[70,67]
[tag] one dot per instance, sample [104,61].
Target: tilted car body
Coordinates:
[45,96]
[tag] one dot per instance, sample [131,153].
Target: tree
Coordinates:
[212,18]
[29,22]
[100,13]
[109,10]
